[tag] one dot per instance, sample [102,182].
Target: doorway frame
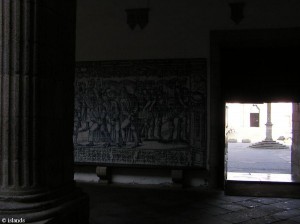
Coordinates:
[284,37]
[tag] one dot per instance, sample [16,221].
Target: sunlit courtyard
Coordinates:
[259,141]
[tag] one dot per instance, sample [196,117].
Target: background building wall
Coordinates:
[239,121]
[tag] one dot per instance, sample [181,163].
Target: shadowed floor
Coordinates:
[131,204]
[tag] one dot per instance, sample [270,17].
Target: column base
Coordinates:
[70,207]
[268,144]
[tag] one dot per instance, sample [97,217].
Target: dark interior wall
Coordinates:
[260,74]
[51,92]
[176,29]
[182,29]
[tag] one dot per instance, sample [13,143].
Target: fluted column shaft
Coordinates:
[37,56]
[17,96]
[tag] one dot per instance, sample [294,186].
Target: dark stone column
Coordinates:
[295,150]
[37,56]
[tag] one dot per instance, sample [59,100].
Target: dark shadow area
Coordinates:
[113,204]
[260,73]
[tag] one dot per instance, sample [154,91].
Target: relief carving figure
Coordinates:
[80,115]
[182,96]
[159,111]
[129,112]
[88,100]
[114,112]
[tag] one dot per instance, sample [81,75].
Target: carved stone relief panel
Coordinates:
[141,113]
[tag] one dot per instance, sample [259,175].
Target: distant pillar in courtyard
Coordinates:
[268,143]
[269,124]
[37,44]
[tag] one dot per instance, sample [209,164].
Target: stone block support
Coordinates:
[37,45]
[177,178]
[104,174]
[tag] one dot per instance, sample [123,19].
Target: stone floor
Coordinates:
[243,159]
[131,204]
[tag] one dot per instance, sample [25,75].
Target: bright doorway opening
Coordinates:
[259,141]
